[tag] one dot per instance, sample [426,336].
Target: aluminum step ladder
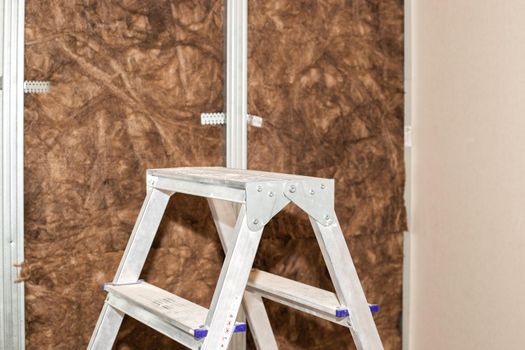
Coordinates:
[242,202]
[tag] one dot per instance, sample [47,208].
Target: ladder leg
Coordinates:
[259,322]
[225,215]
[230,287]
[347,285]
[131,265]
[238,341]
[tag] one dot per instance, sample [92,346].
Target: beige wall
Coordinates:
[468,191]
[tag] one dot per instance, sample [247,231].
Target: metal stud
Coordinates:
[292,189]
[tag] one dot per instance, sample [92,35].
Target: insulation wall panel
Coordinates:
[129,79]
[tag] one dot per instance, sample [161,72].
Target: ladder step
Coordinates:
[164,307]
[300,296]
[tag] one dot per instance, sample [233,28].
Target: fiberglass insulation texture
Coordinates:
[129,79]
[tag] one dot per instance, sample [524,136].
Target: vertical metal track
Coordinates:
[236,91]
[236,102]
[12,335]
[407,244]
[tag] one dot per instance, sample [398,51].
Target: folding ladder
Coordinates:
[242,202]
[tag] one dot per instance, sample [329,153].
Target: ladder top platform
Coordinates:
[264,193]
[234,178]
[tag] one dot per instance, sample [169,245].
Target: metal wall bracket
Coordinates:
[220,118]
[36,87]
[315,197]
[32,86]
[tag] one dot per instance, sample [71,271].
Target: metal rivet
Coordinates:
[327,217]
[312,192]
[255,221]
[259,188]
[270,194]
[292,189]
[323,186]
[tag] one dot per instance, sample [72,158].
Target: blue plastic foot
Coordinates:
[200,333]
[240,327]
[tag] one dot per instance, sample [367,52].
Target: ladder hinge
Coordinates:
[315,197]
[151,181]
[263,201]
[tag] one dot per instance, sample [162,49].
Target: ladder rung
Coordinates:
[315,301]
[166,307]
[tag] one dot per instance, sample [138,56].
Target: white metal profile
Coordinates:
[12,335]
[236,90]
[407,237]
[236,102]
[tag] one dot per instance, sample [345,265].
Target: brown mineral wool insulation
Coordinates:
[129,80]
